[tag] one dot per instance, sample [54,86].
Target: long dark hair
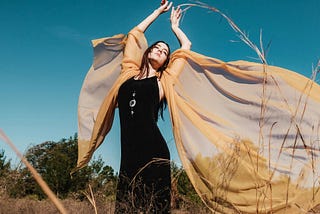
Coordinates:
[144,67]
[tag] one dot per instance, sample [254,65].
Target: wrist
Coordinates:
[157,12]
[174,27]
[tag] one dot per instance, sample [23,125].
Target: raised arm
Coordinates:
[136,43]
[153,16]
[175,17]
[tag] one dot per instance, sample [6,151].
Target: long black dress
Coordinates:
[144,178]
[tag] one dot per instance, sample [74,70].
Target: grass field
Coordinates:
[31,206]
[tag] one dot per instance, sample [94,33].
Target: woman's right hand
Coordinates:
[147,21]
[165,6]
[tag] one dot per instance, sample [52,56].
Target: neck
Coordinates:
[153,66]
[152,71]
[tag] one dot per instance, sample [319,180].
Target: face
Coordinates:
[158,54]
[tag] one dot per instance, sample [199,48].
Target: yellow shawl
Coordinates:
[247,133]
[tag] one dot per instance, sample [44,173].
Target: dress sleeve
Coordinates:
[136,44]
[246,133]
[112,56]
[177,63]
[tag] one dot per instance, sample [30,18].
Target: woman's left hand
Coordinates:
[175,17]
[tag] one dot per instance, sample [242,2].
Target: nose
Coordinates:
[160,51]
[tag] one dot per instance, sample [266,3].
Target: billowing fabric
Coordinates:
[247,133]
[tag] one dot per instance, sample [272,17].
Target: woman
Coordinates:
[247,133]
[144,183]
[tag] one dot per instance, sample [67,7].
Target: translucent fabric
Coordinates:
[247,133]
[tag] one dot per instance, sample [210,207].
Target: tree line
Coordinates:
[54,162]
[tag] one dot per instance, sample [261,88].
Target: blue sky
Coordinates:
[46,53]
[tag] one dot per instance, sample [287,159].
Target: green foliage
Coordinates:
[22,184]
[54,162]
[183,191]
[101,174]
[103,181]
[4,173]
[4,165]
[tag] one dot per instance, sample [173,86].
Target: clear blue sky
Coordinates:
[46,52]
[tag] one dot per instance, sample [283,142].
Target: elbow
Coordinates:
[186,45]
[189,45]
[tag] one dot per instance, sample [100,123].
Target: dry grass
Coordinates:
[261,53]
[30,206]
[35,174]
[94,204]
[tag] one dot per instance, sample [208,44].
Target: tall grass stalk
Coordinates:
[90,197]
[35,174]
[295,118]
[245,38]
[154,161]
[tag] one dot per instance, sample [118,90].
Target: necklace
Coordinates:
[132,102]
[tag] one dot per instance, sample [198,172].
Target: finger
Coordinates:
[163,2]
[175,13]
[172,13]
[178,18]
[168,7]
[164,5]
[178,10]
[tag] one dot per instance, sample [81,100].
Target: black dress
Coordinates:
[144,178]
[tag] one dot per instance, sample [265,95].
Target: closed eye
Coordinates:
[162,50]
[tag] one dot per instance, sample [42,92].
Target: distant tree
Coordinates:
[22,184]
[5,170]
[54,162]
[4,164]
[103,180]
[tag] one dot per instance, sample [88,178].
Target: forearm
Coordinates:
[153,16]
[149,20]
[184,41]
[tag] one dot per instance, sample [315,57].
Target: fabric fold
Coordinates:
[247,133]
